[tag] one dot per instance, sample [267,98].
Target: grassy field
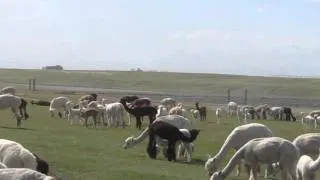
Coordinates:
[201,84]
[76,153]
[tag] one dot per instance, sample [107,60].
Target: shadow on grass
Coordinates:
[194,162]
[6,127]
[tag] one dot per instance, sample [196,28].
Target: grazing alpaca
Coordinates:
[264,150]
[288,114]
[139,112]
[307,168]
[232,108]
[23,174]
[86,113]
[73,112]
[128,99]
[8,90]
[168,102]
[14,155]
[202,111]
[179,110]
[178,121]
[17,104]
[262,111]
[58,104]
[275,112]
[40,103]
[172,134]
[308,144]
[235,140]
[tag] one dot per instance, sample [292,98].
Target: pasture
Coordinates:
[76,153]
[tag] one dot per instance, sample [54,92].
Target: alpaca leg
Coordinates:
[188,151]
[138,122]
[254,172]
[171,150]
[152,149]
[238,168]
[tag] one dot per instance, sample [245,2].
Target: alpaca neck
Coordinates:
[197,107]
[223,150]
[142,136]
[232,163]
[127,108]
[315,164]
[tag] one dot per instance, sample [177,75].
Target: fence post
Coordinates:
[29,80]
[245,96]
[229,95]
[34,84]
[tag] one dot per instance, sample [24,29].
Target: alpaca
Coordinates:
[288,114]
[58,104]
[23,174]
[17,104]
[8,90]
[179,110]
[264,151]
[262,111]
[219,113]
[162,111]
[232,108]
[202,111]
[14,155]
[86,113]
[245,112]
[168,102]
[172,134]
[72,112]
[308,121]
[195,114]
[308,144]
[90,97]
[178,121]
[139,112]
[115,114]
[307,168]
[141,102]
[128,99]
[235,140]
[275,112]
[40,103]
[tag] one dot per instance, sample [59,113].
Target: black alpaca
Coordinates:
[288,113]
[42,165]
[23,109]
[169,132]
[139,112]
[40,103]
[202,111]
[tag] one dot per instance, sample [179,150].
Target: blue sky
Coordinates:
[254,37]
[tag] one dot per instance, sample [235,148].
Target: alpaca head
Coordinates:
[42,165]
[211,166]
[217,176]
[129,143]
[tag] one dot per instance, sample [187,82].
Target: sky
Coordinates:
[251,37]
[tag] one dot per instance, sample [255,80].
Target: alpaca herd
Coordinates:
[171,132]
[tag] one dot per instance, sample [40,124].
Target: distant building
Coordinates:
[56,67]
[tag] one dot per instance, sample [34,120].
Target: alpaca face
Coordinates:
[216,176]
[129,143]
[211,166]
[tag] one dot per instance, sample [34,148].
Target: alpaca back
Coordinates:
[22,174]
[9,101]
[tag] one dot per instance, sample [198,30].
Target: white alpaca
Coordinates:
[195,114]
[14,155]
[232,108]
[235,140]
[168,102]
[13,102]
[115,114]
[220,112]
[8,90]
[178,121]
[264,151]
[308,121]
[83,104]
[314,113]
[162,111]
[275,112]
[58,104]
[22,174]
[307,168]
[73,112]
[243,113]
[178,110]
[308,144]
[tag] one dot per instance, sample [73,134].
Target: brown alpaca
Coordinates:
[202,111]
[86,113]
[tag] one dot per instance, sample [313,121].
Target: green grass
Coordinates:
[76,153]
[201,84]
